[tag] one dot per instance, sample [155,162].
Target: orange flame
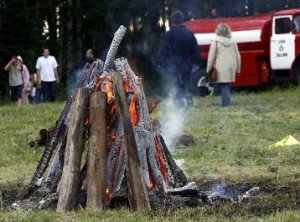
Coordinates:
[151,182]
[97,85]
[109,195]
[109,92]
[127,86]
[133,111]
[161,160]
[152,185]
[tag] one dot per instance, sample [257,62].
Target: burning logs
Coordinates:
[70,176]
[127,158]
[138,197]
[58,140]
[96,166]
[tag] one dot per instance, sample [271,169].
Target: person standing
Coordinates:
[225,58]
[179,53]
[89,57]
[14,67]
[26,82]
[47,75]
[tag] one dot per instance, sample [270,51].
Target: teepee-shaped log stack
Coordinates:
[126,158]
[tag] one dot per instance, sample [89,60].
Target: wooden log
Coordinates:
[137,193]
[72,160]
[96,166]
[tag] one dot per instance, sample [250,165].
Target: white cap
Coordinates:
[19,58]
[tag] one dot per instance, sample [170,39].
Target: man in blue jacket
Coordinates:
[179,53]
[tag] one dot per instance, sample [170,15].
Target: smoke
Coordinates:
[172,123]
[219,190]
[173,116]
[72,80]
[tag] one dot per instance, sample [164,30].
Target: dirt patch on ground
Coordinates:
[8,197]
[228,199]
[269,199]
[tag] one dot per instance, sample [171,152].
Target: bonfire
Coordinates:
[127,161]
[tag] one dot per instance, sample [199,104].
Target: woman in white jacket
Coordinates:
[224,56]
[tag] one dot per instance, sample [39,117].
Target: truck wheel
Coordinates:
[205,87]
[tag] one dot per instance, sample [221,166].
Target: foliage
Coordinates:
[69,27]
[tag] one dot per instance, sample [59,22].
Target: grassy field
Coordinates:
[232,146]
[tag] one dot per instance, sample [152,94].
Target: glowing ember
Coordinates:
[133,111]
[161,161]
[109,92]
[127,86]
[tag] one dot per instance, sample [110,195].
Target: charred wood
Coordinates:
[96,165]
[70,177]
[137,194]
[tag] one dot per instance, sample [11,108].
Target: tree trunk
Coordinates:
[70,176]
[137,193]
[96,169]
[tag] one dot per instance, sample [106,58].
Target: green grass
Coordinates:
[232,145]
[19,125]
[125,215]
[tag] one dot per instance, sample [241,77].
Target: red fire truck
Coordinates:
[269,45]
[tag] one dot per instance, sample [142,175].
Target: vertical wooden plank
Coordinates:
[96,168]
[137,193]
[72,160]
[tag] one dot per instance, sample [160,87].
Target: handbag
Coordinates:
[213,74]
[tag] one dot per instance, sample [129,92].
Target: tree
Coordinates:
[20,32]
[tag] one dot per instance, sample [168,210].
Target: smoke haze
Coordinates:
[172,123]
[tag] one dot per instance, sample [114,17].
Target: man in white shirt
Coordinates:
[47,75]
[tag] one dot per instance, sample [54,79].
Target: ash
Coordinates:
[189,196]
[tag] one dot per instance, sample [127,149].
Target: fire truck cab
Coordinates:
[269,45]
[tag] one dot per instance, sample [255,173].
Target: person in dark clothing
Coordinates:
[89,58]
[178,54]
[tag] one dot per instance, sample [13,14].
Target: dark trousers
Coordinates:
[49,91]
[16,92]
[183,96]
